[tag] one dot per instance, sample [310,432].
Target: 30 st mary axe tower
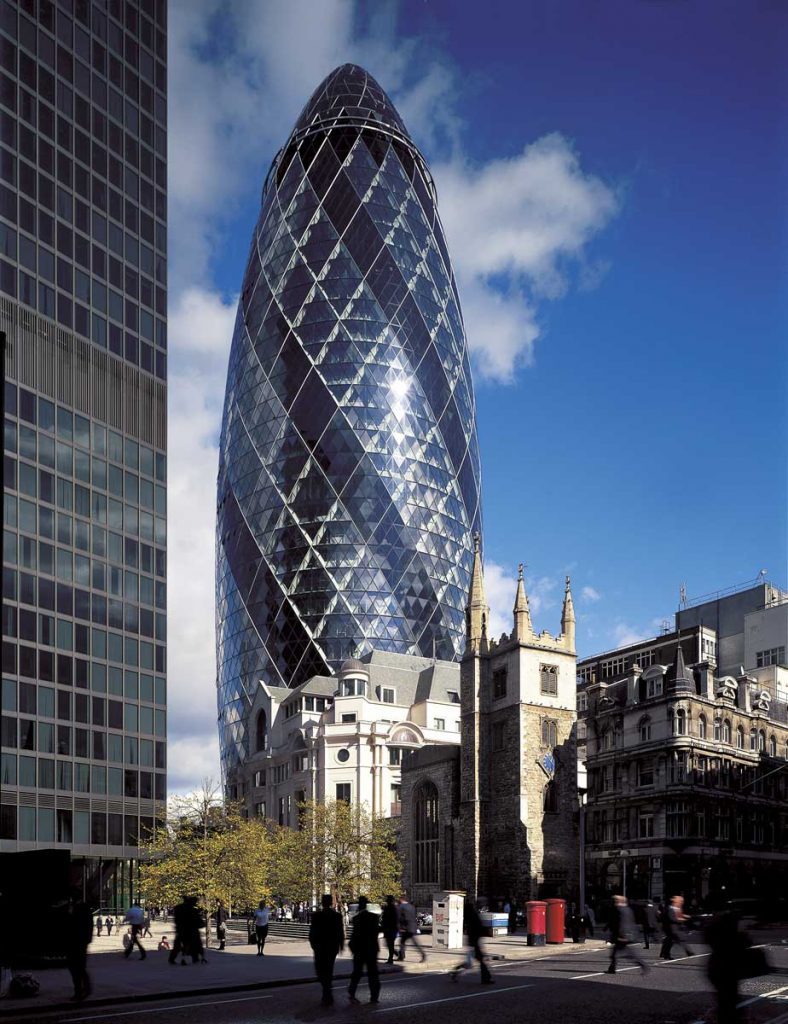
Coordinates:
[348,489]
[83,242]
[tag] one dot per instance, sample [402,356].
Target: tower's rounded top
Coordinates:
[353,666]
[351,92]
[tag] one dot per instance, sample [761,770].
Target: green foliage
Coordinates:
[340,848]
[210,851]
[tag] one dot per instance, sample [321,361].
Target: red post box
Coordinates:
[556,910]
[536,914]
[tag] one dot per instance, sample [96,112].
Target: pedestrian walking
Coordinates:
[79,935]
[648,923]
[146,932]
[590,921]
[512,921]
[389,924]
[327,939]
[261,918]
[475,929]
[364,947]
[408,926]
[109,923]
[674,925]
[135,917]
[188,941]
[99,925]
[220,916]
[622,933]
[728,947]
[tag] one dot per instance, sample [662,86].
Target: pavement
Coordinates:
[550,984]
[118,981]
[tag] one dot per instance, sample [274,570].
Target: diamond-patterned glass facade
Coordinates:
[349,476]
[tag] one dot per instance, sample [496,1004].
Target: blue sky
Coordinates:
[626,307]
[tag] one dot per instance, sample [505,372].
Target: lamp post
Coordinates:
[581,796]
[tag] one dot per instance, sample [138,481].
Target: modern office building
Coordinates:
[685,740]
[349,477]
[83,304]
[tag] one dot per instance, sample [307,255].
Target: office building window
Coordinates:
[343,791]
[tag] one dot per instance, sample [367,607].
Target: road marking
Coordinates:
[678,959]
[598,974]
[165,1009]
[452,999]
[763,995]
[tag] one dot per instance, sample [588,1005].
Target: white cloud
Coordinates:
[200,327]
[590,594]
[515,227]
[499,589]
[239,75]
[500,584]
[623,635]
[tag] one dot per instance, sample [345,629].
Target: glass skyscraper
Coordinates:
[349,477]
[83,304]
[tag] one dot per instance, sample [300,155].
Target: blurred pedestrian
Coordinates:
[408,926]
[475,929]
[220,916]
[622,932]
[146,932]
[109,923]
[164,944]
[135,917]
[648,923]
[674,925]
[725,965]
[512,921]
[389,925]
[79,935]
[364,947]
[99,925]
[327,939]
[261,918]
[590,921]
[188,940]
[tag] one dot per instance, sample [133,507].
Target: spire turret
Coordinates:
[683,681]
[568,617]
[523,627]
[477,613]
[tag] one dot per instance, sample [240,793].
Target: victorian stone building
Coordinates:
[685,741]
[498,817]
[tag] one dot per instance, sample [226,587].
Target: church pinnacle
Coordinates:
[522,613]
[568,618]
[476,611]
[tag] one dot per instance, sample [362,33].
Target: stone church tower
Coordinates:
[518,762]
[502,810]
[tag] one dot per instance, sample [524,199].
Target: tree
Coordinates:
[209,850]
[338,848]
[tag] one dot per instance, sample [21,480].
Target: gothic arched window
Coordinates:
[726,731]
[702,727]
[261,731]
[426,833]
[740,738]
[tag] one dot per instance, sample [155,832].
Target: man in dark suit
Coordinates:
[364,947]
[622,932]
[327,939]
